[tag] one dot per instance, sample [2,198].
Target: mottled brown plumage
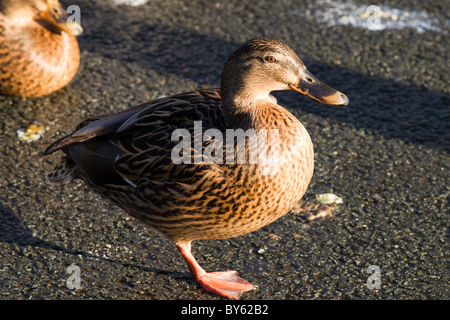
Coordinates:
[129,157]
[39,52]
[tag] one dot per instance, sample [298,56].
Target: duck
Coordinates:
[39,51]
[184,164]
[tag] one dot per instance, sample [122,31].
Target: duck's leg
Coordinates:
[224,283]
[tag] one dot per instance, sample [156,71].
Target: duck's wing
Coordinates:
[136,144]
[167,111]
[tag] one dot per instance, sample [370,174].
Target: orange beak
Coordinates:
[312,87]
[57,17]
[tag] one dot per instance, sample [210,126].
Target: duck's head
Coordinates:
[263,65]
[48,13]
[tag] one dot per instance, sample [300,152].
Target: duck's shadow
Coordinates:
[13,230]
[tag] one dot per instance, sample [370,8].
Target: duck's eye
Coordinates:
[271,59]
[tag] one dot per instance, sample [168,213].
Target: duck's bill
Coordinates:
[57,16]
[312,87]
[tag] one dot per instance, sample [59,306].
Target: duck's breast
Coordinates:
[36,61]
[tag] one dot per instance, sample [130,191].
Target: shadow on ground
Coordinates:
[392,108]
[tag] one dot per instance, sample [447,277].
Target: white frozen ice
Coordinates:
[372,17]
[131,2]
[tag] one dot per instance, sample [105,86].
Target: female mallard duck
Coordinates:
[189,192]
[38,49]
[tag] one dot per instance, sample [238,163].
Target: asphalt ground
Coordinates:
[386,154]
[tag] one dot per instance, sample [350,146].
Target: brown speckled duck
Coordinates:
[39,51]
[187,193]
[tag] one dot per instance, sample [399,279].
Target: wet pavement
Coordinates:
[386,154]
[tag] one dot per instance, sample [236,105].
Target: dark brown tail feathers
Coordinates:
[63,172]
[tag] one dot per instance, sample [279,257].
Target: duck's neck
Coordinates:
[241,108]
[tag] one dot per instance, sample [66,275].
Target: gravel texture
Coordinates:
[386,154]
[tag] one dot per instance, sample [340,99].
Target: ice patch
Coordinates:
[131,2]
[373,17]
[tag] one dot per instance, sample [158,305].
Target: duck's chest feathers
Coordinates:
[283,145]
[285,163]
[37,60]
